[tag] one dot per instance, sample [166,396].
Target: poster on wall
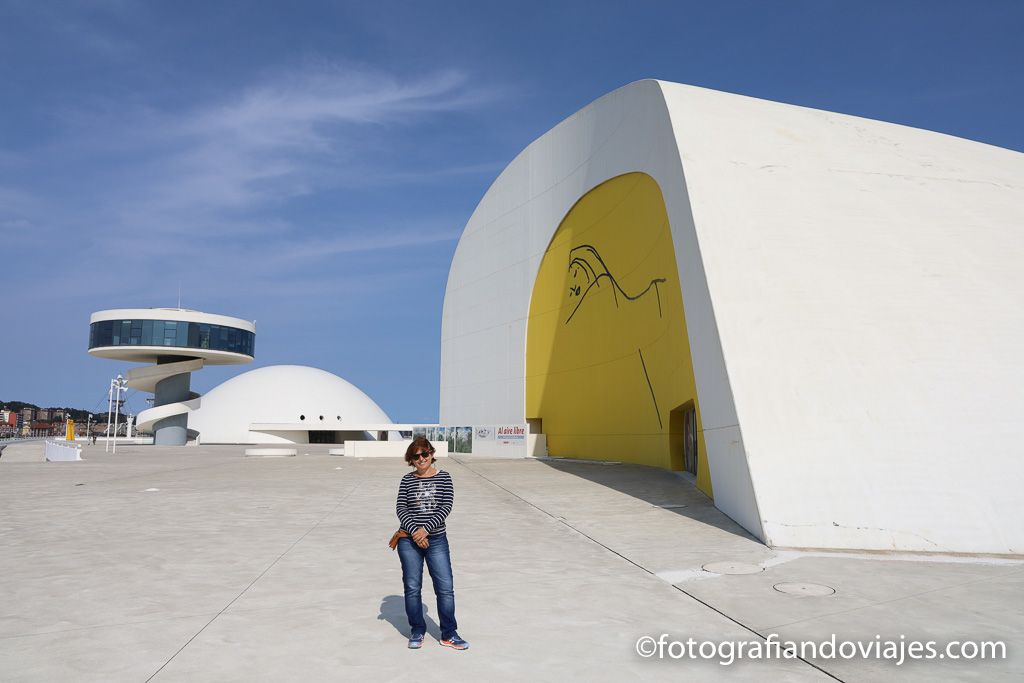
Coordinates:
[463,439]
[419,431]
[484,434]
[510,434]
[441,434]
[451,439]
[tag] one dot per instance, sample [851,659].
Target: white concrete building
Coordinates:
[177,342]
[816,314]
[270,405]
[286,404]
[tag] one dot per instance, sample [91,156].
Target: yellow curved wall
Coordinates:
[607,354]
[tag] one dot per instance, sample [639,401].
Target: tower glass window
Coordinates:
[172,333]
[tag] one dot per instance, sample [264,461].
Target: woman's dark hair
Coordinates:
[420,443]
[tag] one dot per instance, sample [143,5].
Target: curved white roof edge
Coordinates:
[150,354]
[177,314]
[487,298]
[847,286]
[277,403]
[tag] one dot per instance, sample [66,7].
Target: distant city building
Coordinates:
[43,415]
[8,423]
[39,428]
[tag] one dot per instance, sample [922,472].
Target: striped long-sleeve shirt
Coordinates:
[425,502]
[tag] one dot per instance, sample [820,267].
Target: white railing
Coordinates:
[7,440]
[57,451]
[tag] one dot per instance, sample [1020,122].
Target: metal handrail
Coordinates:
[8,440]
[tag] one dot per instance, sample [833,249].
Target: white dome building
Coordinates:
[286,404]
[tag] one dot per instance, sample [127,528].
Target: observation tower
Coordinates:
[175,342]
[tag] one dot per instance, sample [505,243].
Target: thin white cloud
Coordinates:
[286,107]
[202,194]
[293,133]
[290,135]
[364,241]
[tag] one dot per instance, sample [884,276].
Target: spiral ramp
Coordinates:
[174,399]
[175,342]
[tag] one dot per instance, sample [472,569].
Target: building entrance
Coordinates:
[321,436]
[690,440]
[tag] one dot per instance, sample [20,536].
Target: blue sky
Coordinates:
[310,165]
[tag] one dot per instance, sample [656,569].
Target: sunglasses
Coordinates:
[424,454]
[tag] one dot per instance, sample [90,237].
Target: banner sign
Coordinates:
[510,434]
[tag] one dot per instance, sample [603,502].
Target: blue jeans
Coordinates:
[439,564]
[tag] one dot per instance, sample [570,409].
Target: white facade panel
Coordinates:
[625,131]
[292,396]
[860,274]
[852,292]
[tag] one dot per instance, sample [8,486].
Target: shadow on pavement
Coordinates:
[392,610]
[661,488]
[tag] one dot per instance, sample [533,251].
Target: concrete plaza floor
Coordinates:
[201,564]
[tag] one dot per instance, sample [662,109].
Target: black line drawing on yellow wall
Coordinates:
[651,387]
[587,269]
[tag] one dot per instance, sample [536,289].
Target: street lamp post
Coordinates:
[117,385]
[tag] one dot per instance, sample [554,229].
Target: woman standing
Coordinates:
[425,498]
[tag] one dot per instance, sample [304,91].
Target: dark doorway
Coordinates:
[320,436]
[690,440]
[683,437]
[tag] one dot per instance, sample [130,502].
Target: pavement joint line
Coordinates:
[253,582]
[641,567]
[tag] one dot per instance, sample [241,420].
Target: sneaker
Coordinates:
[415,641]
[455,643]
